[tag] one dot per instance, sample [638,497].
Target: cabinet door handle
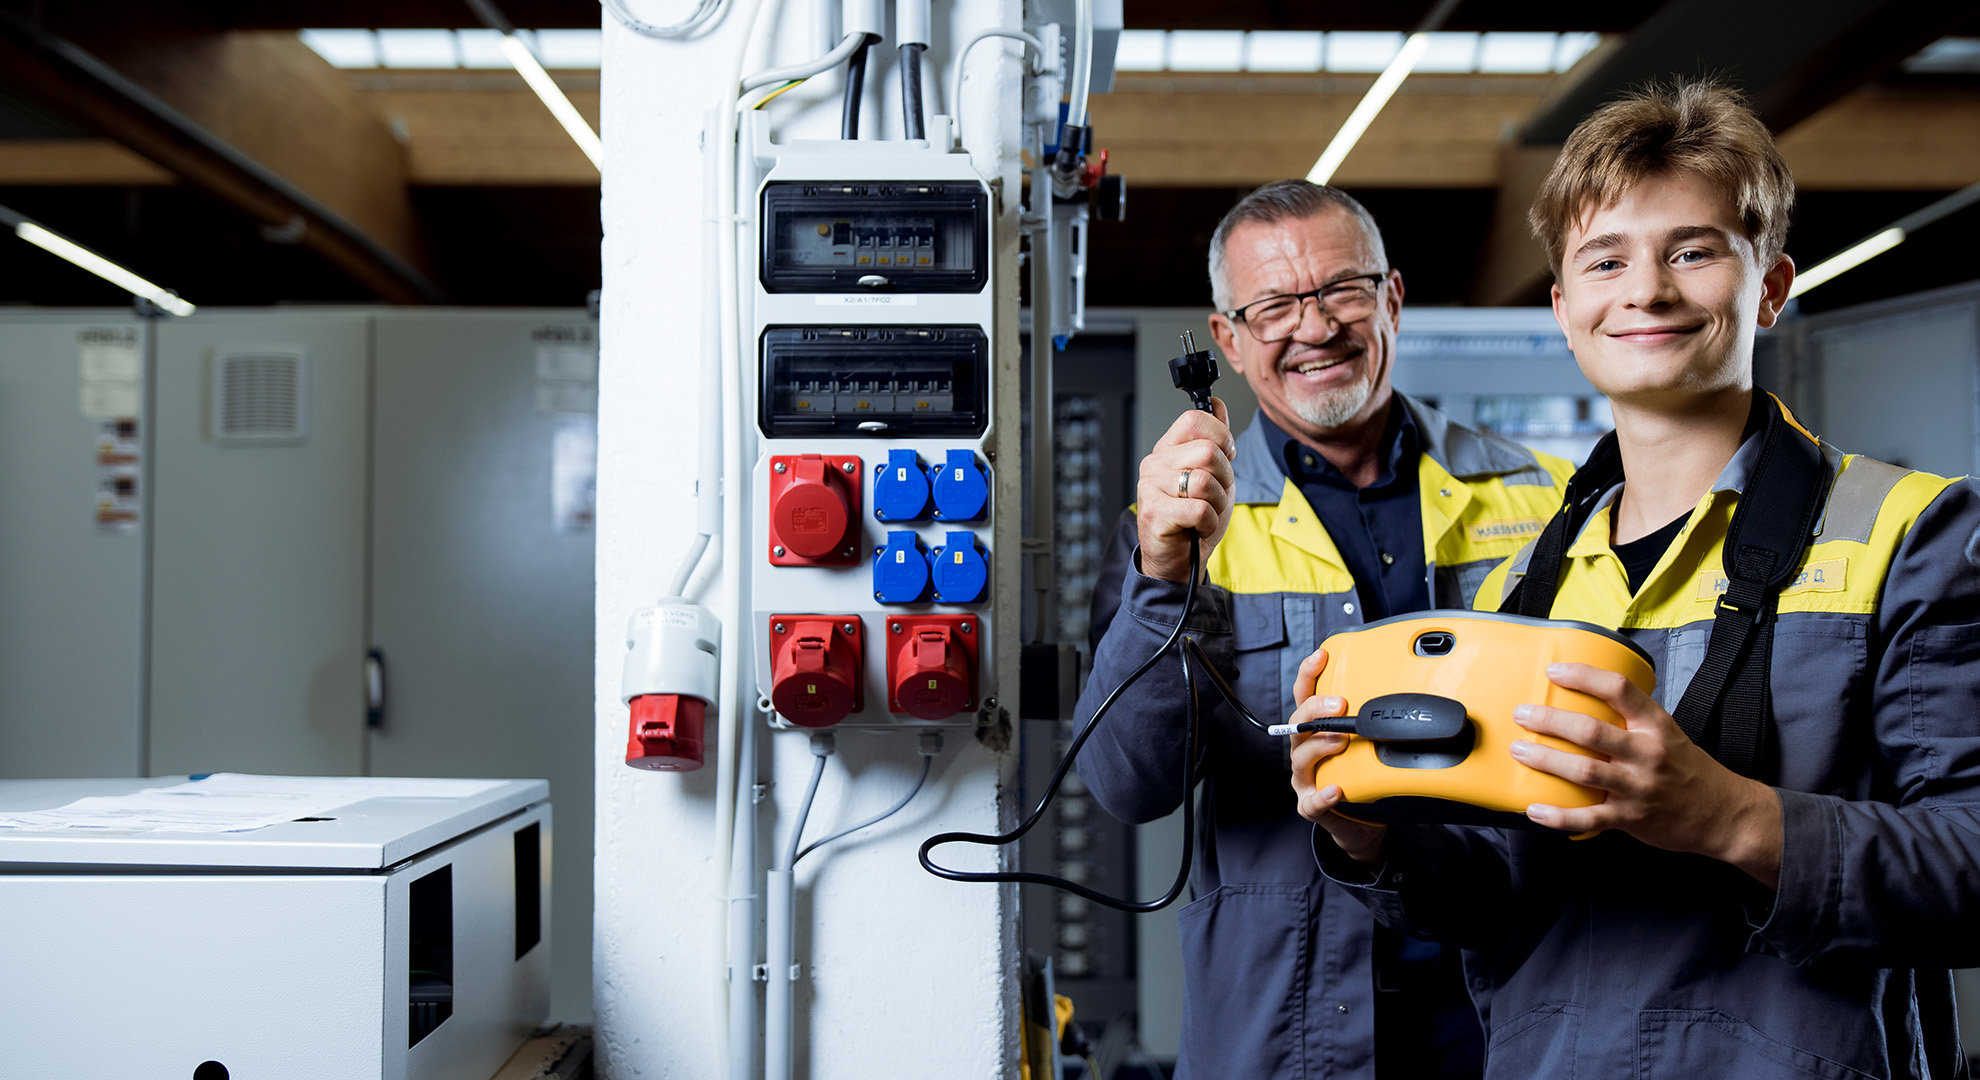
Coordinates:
[374,688]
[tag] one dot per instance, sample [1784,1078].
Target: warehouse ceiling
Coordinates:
[203,143]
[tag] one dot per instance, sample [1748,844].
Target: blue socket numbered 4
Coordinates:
[961,570]
[962,491]
[900,487]
[900,569]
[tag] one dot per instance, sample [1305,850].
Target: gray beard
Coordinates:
[1336,408]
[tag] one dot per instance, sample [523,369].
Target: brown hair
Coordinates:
[1704,128]
[1285,200]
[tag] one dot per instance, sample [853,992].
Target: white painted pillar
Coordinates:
[904,974]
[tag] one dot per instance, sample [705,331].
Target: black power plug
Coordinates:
[1194,372]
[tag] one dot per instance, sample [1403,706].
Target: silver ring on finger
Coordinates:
[1182,483]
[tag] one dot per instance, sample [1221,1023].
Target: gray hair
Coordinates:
[1285,200]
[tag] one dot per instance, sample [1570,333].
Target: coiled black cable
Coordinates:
[912,123]
[855,89]
[1191,755]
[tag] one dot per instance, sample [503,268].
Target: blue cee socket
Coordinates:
[962,491]
[900,487]
[900,569]
[961,571]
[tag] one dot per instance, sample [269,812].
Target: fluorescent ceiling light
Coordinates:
[1283,50]
[1141,50]
[1516,53]
[56,244]
[1371,104]
[418,49]
[1449,52]
[1362,50]
[1206,50]
[1846,260]
[344,48]
[553,98]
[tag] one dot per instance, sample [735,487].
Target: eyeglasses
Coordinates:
[1276,317]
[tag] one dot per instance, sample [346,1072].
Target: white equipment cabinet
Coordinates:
[311,948]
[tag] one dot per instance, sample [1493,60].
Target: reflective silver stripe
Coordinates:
[1857,496]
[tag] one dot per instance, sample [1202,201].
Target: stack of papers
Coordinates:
[232,802]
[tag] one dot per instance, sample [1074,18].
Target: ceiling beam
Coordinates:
[76,163]
[1452,131]
[255,120]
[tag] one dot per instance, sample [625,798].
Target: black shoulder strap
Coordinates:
[1769,533]
[1534,595]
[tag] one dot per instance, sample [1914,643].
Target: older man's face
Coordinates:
[1327,374]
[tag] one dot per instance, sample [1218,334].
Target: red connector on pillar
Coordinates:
[931,665]
[671,670]
[815,663]
[666,732]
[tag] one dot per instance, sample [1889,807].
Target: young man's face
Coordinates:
[1660,293]
[1326,374]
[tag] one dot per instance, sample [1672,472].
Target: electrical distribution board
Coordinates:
[875,539]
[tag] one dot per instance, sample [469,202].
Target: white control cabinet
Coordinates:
[395,938]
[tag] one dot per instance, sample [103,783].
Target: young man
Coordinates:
[1342,502]
[1796,921]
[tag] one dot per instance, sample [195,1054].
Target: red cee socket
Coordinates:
[666,732]
[931,665]
[815,662]
[814,510]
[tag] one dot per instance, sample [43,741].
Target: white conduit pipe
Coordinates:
[719,140]
[780,947]
[742,912]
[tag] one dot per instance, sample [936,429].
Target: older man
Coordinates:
[1343,502]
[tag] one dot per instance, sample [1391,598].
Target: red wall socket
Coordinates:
[815,505]
[931,664]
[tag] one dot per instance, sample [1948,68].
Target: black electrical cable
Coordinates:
[855,89]
[1192,753]
[913,125]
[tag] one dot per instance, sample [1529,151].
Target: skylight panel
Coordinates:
[1361,50]
[1142,50]
[1283,50]
[344,48]
[1206,50]
[1572,48]
[1449,53]
[1516,53]
[418,49]
[570,48]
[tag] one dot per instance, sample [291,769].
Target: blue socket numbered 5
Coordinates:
[900,487]
[962,491]
[900,569]
[961,571]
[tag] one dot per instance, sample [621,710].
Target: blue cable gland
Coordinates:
[961,571]
[900,487]
[962,491]
[900,569]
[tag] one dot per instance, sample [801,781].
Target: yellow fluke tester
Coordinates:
[1432,697]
